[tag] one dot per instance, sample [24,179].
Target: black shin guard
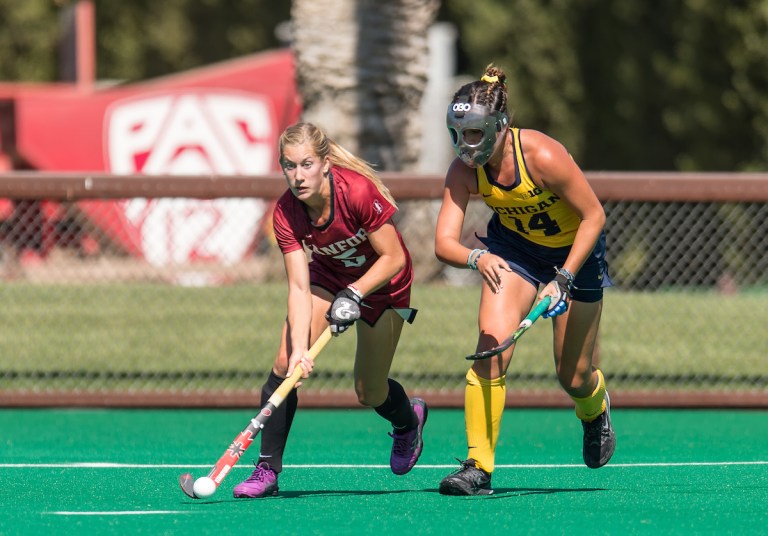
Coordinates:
[397,408]
[274,436]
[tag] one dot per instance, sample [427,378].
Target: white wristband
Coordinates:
[474,256]
[469,257]
[357,292]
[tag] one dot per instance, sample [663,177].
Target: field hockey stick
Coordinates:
[527,322]
[244,439]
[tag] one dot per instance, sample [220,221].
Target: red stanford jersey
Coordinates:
[341,252]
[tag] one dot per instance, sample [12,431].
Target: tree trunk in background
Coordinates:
[362,70]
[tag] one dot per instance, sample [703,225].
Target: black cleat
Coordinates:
[469,480]
[599,439]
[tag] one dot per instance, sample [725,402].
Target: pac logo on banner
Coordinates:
[193,132]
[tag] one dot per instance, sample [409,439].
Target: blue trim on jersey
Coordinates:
[536,263]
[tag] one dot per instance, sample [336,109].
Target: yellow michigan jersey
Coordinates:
[537,215]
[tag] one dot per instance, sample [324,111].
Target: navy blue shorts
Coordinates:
[536,264]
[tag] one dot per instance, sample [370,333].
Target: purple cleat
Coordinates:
[261,483]
[407,446]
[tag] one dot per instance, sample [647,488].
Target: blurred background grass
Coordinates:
[158,336]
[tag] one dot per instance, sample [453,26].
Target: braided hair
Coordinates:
[490,90]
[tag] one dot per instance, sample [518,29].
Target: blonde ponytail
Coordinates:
[339,156]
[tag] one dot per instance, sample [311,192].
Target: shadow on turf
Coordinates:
[498,493]
[502,493]
[295,494]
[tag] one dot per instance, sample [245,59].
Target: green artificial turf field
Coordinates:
[93,471]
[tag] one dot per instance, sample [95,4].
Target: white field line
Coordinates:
[107,465]
[110,465]
[120,513]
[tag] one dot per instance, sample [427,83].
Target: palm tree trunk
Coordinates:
[362,70]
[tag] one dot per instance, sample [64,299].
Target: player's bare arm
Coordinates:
[553,169]
[299,308]
[460,185]
[390,262]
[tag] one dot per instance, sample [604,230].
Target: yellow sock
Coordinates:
[483,407]
[589,408]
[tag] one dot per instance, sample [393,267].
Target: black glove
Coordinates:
[344,310]
[559,305]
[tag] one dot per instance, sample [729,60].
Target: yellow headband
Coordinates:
[489,79]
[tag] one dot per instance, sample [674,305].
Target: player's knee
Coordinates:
[369,397]
[281,369]
[487,368]
[574,382]
[368,401]
[280,365]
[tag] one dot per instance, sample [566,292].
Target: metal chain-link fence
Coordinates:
[180,300]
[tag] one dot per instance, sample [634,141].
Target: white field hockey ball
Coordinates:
[204,487]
